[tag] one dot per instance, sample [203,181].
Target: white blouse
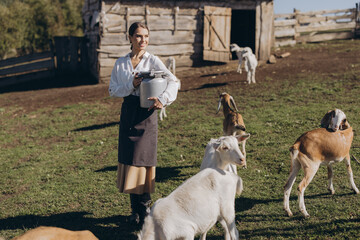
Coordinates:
[121,82]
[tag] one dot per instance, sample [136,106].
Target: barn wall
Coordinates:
[176,29]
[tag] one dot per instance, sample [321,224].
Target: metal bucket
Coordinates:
[152,85]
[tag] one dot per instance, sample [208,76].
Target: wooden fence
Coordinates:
[315,26]
[68,57]
[26,68]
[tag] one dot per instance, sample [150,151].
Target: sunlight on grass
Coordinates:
[59,166]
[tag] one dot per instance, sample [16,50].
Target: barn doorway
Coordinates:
[243,24]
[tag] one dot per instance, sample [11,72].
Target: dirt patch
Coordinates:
[60,92]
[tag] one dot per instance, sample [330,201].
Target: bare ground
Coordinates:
[320,58]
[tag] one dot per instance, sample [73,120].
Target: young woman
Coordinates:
[137,151]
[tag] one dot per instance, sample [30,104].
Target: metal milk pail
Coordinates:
[152,85]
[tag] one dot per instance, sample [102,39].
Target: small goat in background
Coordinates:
[250,61]
[171,65]
[233,123]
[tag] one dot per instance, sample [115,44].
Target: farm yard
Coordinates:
[59,147]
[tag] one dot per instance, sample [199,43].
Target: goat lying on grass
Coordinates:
[250,61]
[315,148]
[54,233]
[197,204]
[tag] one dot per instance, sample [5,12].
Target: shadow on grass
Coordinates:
[115,227]
[96,127]
[207,85]
[70,80]
[162,173]
[243,204]
[165,173]
[326,230]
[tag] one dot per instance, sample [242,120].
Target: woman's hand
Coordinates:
[137,80]
[157,104]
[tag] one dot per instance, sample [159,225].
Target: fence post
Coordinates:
[296,17]
[357,20]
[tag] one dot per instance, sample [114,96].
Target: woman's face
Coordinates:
[140,39]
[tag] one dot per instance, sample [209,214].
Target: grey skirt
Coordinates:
[138,133]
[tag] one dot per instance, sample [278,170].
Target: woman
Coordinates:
[137,155]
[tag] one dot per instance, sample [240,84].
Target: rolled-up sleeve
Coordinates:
[121,84]
[170,93]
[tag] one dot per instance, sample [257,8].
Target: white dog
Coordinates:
[250,61]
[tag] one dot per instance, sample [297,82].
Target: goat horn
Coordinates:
[233,103]
[355,159]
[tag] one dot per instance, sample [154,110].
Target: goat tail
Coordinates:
[294,152]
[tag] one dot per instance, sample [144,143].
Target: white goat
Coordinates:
[315,148]
[233,122]
[170,64]
[213,160]
[202,200]
[335,120]
[250,61]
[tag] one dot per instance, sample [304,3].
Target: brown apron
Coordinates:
[137,134]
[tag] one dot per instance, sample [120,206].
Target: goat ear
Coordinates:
[325,121]
[242,137]
[216,145]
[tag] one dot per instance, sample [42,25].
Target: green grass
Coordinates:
[58,167]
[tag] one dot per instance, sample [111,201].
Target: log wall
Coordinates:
[176,29]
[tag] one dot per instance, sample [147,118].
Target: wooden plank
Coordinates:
[327,27]
[285,32]
[25,78]
[325,37]
[157,23]
[312,19]
[265,41]
[326,11]
[289,42]
[156,38]
[171,49]
[140,10]
[285,23]
[25,59]
[48,64]
[285,15]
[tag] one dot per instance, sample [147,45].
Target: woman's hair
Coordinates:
[135,26]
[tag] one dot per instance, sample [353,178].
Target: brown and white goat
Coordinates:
[233,123]
[312,149]
[335,120]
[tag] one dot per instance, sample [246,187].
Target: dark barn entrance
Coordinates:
[243,29]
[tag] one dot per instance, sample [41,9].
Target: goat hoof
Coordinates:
[332,192]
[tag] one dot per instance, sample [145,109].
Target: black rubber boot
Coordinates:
[135,208]
[144,206]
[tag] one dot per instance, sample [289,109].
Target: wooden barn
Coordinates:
[193,32]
